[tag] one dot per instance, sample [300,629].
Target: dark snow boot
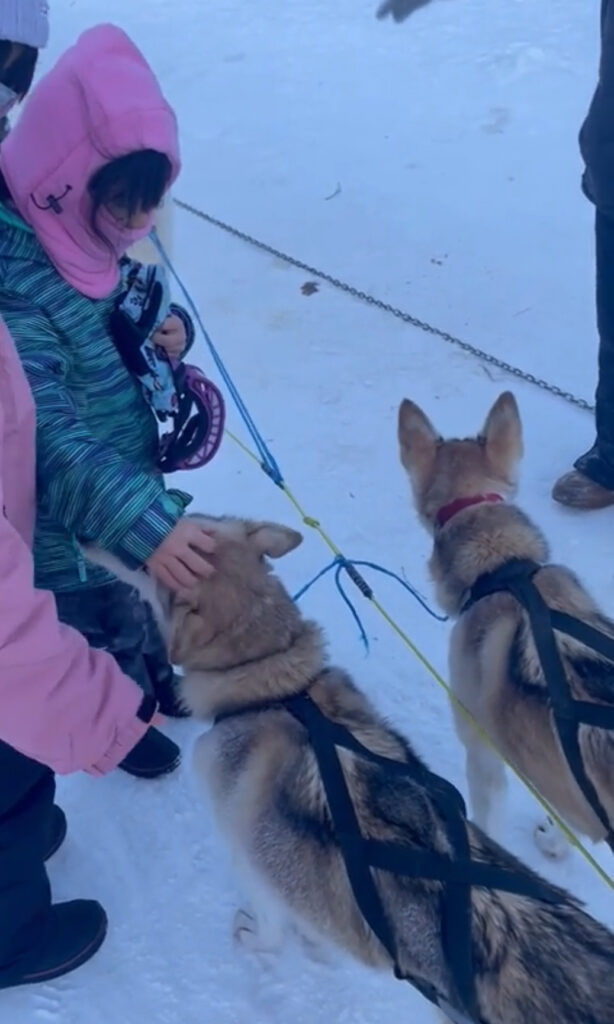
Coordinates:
[68,937]
[575,490]
[154,755]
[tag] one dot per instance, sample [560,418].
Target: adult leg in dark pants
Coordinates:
[37,941]
[112,617]
[591,483]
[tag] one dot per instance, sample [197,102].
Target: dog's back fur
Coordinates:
[241,640]
[494,666]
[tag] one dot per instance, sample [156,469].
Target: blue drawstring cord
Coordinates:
[349,565]
[269,464]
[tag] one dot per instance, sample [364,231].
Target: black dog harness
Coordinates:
[456,871]
[516,577]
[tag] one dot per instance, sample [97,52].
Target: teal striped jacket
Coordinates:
[97,439]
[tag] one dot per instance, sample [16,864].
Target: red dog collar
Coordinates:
[448,511]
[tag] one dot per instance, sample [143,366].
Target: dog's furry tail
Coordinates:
[534,959]
[541,960]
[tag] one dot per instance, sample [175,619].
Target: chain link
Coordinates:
[386,307]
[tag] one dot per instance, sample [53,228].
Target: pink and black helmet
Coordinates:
[198,423]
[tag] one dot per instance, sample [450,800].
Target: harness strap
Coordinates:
[457,872]
[343,813]
[516,577]
[358,854]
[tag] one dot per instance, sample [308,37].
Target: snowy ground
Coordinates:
[452,141]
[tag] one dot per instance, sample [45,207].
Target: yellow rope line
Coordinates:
[315,525]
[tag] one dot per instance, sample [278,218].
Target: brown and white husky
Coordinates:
[246,651]
[462,491]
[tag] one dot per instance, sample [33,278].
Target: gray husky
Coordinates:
[247,654]
[461,490]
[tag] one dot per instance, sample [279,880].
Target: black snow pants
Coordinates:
[597,147]
[27,791]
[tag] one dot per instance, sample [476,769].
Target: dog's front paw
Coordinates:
[550,841]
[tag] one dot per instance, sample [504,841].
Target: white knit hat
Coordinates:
[25,21]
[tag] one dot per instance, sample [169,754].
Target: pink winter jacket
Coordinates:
[61,702]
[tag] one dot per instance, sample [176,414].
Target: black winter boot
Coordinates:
[38,941]
[153,756]
[67,938]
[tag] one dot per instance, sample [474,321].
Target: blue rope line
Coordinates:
[323,572]
[407,586]
[361,629]
[268,462]
[342,564]
[338,563]
[271,468]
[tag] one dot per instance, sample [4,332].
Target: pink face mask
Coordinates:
[87,262]
[119,237]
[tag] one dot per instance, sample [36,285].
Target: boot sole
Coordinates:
[581,506]
[69,965]
[151,773]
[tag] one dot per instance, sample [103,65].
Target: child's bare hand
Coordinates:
[171,336]
[179,562]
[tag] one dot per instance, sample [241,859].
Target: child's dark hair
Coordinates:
[137,181]
[17,73]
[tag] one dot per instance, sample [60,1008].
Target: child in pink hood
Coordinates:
[63,706]
[89,161]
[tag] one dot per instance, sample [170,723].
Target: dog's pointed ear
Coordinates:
[272,539]
[502,435]
[418,442]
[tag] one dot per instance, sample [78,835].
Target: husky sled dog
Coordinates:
[545,698]
[310,785]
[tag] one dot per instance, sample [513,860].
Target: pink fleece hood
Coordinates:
[101,101]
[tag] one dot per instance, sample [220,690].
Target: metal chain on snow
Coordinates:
[422,325]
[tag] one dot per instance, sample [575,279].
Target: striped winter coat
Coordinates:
[97,438]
